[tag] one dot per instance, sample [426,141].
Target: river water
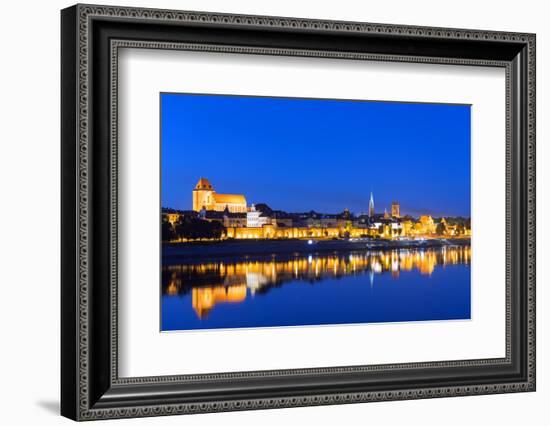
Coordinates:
[316,289]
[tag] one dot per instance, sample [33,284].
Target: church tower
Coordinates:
[203,195]
[395,210]
[371,206]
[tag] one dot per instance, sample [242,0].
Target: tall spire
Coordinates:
[371,205]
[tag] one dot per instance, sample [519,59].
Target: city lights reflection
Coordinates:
[217,282]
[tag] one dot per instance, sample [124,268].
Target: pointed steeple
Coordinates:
[371,205]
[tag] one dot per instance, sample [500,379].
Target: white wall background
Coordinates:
[29,212]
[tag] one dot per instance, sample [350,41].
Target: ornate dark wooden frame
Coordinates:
[91,38]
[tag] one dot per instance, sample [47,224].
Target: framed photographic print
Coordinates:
[264,212]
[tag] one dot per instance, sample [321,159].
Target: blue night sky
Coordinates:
[317,154]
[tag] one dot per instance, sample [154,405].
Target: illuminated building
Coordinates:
[234,219]
[261,222]
[427,224]
[204,196]
[172,218]
[396,229]
[395,209]
[255,219]
[274,231]
[407,226]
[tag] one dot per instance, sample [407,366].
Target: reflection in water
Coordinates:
[213,283]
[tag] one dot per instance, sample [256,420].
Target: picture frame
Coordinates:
[91,37]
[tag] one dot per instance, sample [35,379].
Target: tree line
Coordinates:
[191,228]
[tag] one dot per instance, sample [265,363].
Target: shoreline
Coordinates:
[196,252]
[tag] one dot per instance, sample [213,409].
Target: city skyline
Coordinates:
[300,155]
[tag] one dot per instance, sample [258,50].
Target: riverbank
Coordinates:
[174,253]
